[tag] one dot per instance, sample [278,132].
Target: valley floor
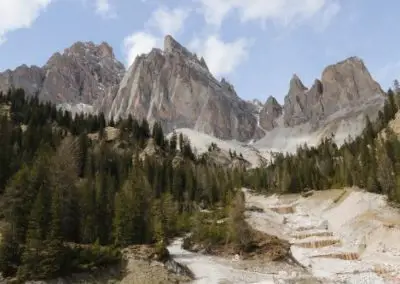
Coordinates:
[215,270]
[340,236]
[336,236]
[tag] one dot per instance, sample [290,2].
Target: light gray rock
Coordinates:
[269,113]
[343,85]
[83,73]
[29,78]
[174,87]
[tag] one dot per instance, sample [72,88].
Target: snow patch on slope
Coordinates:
[77,108]
[201,141]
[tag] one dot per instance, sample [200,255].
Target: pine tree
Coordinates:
[55,258]
[158,135]
[103,216]
[173,142]
[123,226]
[385,173]
[132,221]
[170,213]
[88,206]
[64,173]
[396,86]
[181,142]
[6,153]
[10,254]
[239,232]
[32,256]
[369,133]
[18,196]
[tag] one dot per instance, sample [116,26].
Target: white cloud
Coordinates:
[283,12]
[105,9]
[168,21]
[164,20]
[137,44]
[17,14]
[330,11]
[222,57]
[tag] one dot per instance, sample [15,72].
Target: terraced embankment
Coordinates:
[339,236]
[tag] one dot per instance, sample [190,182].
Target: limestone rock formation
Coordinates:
[269,113]
[83,73]
[342,86]
[28,78]
[174,87]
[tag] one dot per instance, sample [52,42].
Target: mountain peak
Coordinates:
[81,48]
[272,101]
[171,45]
[353,59]
[343,85]
[269,113]
[296,85]
[106,50]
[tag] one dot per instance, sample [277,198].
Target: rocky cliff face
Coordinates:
[174,87]
[83,73]
[269,113]
[343,86]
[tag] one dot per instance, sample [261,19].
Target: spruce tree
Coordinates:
[32,256]
[10,254]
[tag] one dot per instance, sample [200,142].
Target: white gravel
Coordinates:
[214,270]
[363,222]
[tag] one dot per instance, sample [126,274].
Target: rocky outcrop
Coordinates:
[174,87]
[151,150]
[269,113]
[145,264]
[216,156]
[342,86]
[83,73]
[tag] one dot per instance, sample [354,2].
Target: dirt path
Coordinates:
[341,237]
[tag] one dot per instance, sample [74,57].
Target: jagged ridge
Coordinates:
[175,87]
[81,74]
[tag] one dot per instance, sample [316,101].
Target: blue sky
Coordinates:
[256,44]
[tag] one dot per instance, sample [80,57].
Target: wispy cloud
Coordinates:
[105,9]
[137,44]
[222,57]
[168,21]
[162,21]
[17,14]
[281,12]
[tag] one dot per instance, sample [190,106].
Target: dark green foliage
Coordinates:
[10,254]
[65,194]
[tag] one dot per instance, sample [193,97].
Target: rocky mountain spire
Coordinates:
[174,88]
[172,46]
[345,84]
[269,113]
[296,85]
